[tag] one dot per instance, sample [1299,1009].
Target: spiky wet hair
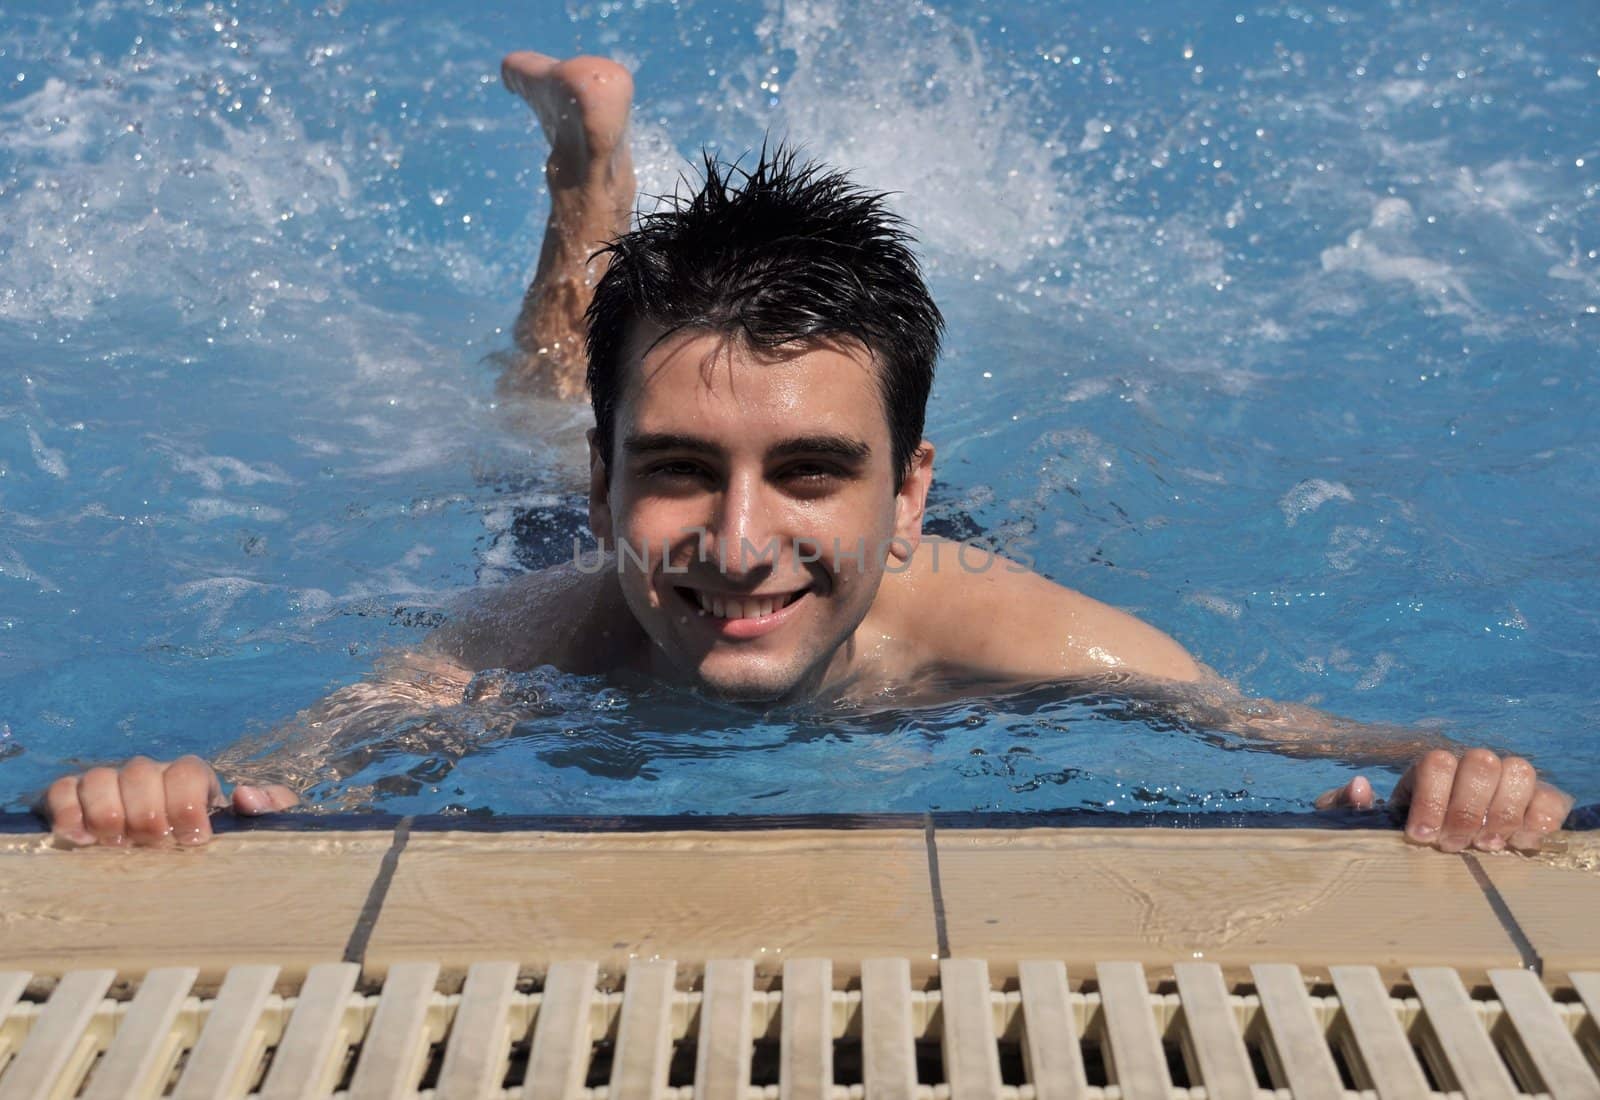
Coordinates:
[787,252]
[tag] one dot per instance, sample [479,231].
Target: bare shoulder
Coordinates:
[974,611]
[561,616]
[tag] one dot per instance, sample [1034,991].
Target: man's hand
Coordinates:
[148,803]
[1478,800]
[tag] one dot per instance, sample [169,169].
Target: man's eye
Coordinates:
[674,470]
[809,473]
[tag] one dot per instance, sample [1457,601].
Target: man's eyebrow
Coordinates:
[646,443]
[836,446]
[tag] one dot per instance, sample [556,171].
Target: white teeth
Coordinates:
[729,607]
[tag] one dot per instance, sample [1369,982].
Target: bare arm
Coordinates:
[1450,796]
[147,802]
[405,706]
[1290,729]
[331,739]
[986,617]
[1008,624]
[553,617]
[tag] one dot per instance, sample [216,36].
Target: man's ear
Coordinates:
[911,501]
[599,493]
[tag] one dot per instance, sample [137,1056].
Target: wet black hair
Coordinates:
[787,252]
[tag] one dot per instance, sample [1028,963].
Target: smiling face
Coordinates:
[753,504]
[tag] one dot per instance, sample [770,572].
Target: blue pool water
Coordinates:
[1276,324]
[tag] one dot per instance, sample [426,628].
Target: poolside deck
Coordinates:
[892,961]
[1234,897]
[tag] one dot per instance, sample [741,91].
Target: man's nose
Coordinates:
[743,527]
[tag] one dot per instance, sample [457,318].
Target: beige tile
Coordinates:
[537,898]
[1555,899]
[284,898]
[1232,897]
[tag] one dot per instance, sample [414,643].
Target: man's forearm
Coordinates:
[1293,729]
[338,735]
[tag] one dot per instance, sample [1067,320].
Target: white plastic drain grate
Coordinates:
[728,1040]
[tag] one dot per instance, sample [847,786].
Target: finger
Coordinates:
[1477,777]
[252,801]
[144,801]
[100,794]
[1400,798]
[1427,795]
[62,808]
[1547,810]
[1354,795]
[1510,802]
[189,782]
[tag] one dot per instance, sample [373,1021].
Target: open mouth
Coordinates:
[719,606]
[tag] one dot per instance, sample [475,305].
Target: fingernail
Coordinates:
[1452,844]
[1422,833]
[118,841]
[191,839]
[1491,843]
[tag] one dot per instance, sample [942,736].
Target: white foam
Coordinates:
[206,509]
[1087,390]
[215,596]
[1348,544]
[1393,213]
[942,124]
[48,459]
[1506,185]
[116,217]
[14,568]
[57,119]
[1310,495]
[1082,446]
[1217,605]
[214,472]
[1382,665]
[1403,91]
[1385,251]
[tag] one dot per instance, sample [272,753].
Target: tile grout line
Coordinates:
[355,950]
[941,931]
[1502,911]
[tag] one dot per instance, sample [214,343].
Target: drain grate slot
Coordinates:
[804,1040]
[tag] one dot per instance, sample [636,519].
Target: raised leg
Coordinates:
[582,105]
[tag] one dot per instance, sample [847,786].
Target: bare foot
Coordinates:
[582,105]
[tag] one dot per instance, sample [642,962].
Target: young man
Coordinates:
[759,358]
